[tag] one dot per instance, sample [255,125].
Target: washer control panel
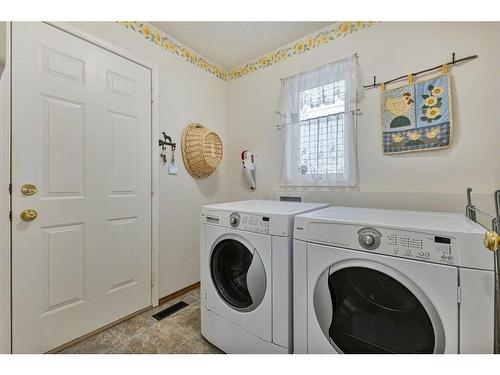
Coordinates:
[249,222]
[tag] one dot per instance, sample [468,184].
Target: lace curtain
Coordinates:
[318,113]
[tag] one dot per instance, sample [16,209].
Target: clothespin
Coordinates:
[444,69]
[410,79]
[382,87]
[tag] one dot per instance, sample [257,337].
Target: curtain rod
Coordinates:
[452,62]
[355,54]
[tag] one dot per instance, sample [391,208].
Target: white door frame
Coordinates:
[5,175]
[5,320]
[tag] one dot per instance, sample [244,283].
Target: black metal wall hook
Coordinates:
[166,141]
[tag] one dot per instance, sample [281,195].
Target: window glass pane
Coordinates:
[322,142]
[322,145]
[322,101]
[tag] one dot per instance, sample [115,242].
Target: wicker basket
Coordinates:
[201,150]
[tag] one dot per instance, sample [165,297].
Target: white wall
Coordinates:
[187,94]
[434,180]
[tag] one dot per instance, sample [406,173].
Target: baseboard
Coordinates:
[179,293]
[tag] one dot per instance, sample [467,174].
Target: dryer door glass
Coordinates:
[238,275]
[374,313]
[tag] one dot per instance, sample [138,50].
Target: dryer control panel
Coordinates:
[421,246]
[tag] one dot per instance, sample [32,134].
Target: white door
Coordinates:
[81,130]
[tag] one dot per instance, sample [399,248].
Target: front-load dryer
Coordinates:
[246,281]
[385,281]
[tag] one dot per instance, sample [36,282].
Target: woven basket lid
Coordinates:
[201,150]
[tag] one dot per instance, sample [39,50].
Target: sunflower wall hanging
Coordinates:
[417,116]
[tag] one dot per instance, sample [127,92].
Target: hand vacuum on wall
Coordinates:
[248,160]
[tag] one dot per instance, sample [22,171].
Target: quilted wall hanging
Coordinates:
[417,116]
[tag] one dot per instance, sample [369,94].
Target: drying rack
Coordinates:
[491,242]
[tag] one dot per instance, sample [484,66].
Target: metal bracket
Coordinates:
[166,141]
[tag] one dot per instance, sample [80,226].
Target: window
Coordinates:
[318,109]
[322,136]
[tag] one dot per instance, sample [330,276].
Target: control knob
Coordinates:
[234,219]
[368,239]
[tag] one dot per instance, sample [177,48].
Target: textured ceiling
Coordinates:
[231,44]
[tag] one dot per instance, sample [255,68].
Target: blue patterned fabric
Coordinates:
[417,117]
[442,139]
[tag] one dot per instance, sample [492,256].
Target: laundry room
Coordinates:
[196,182]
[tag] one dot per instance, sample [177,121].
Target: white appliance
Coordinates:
[248,160]
[385,281]
[246,261]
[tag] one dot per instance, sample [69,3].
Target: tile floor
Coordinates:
[178,333]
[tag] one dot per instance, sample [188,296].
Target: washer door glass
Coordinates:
[374,313]
[238,275]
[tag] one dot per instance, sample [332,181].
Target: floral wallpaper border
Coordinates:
[335,31]
[168,44]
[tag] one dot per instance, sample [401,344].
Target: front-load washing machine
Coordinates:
[246,261]
[385,281]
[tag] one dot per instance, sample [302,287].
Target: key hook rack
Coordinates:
[166,141]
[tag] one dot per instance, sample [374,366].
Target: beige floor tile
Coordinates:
[196,346]
[120,349]
[98,344]
[190,321]
[129,328]
[162,338]
[144,334]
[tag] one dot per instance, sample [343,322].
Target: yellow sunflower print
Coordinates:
[413,136]
[430,101]
[299,47]
[146,31]
[438,90]
[432,133]
[396,138]
[432,113]
[344,28]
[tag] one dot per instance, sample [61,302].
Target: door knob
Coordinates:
[29,189]
[492,240]
[29,214]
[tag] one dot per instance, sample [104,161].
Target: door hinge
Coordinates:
[459,295]
[10,189]
[10,216]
